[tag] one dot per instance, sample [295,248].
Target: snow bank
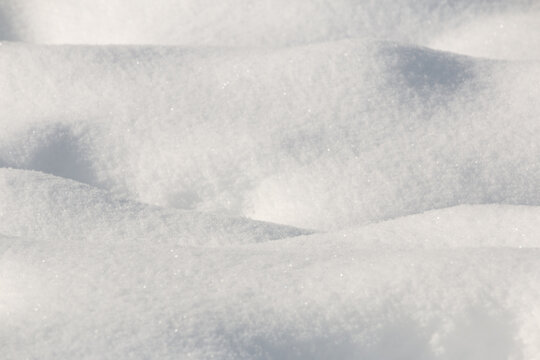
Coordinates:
[39,206]
[319,137]
[246,22]
[508,36]
[464,226]
[297,299]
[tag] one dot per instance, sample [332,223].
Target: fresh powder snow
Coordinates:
[299,179]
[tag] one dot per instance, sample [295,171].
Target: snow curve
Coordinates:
[247,132]
[40,206]
[275,300]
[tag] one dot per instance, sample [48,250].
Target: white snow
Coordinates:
[36,205]
[322,297]
[293,179]
[259,23]
[508,36]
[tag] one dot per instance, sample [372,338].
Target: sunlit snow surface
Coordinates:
[288,179]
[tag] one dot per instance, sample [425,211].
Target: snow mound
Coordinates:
[508,36]
[41,206]
[464,226]
[241,22]
[297,298]
[320,137]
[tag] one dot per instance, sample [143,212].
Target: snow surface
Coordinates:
[269,179]
[481,27]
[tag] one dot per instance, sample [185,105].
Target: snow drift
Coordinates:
[35,205]
[317,137]
[326,296]
[500,28]
[269,179]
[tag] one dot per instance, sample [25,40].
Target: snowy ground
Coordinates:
[285,179]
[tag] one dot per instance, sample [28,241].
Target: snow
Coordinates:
[269,180]
[36,205]
[322,297]
[295,136]
[247,23]
[509,36]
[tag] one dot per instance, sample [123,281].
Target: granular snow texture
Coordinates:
[299,179]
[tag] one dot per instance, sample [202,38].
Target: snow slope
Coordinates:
[319,137]
[36,205]
[241,22]
[319,297]
[509,36]
[310,179]
[492,28]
